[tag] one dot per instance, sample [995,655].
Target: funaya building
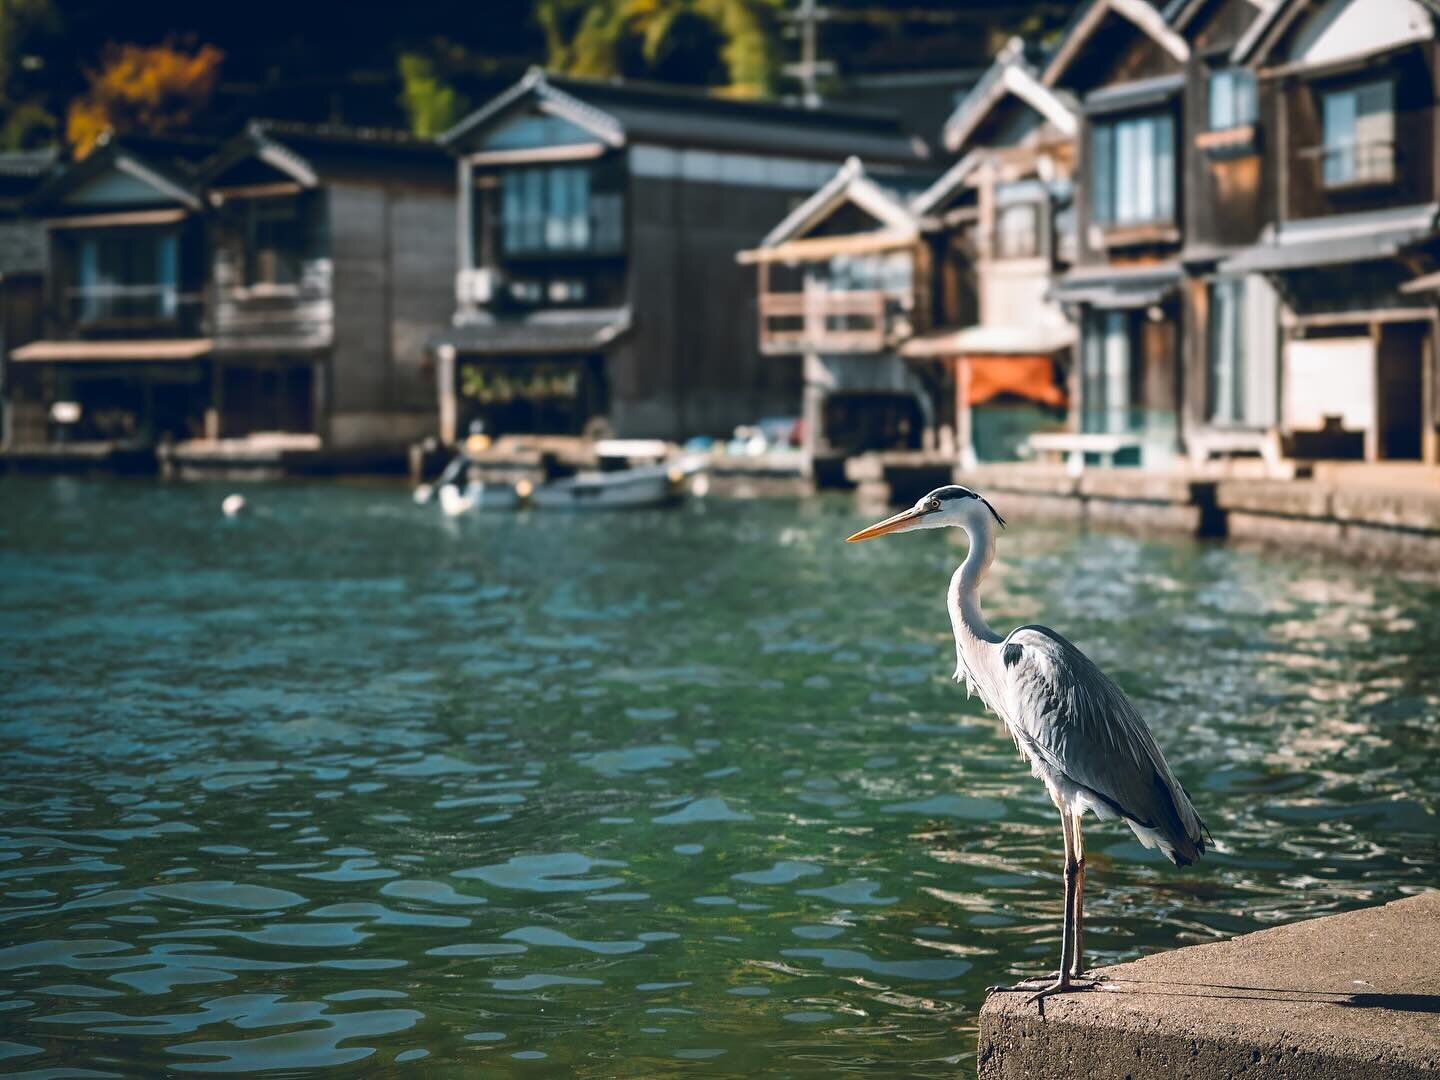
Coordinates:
[597,225]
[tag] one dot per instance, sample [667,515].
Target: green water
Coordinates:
[341,785]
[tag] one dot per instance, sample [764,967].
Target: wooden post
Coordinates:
[964,426]
[217,400]
[1429,451]
[445,391]
[1377,412]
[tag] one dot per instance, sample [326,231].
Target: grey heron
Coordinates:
[1077,730]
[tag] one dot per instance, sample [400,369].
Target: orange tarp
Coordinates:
[1029,377]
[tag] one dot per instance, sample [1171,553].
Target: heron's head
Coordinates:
[945,506]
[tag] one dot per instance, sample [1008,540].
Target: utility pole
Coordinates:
[805,22]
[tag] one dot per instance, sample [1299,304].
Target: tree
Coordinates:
[26,120]
[732,44]
[432,105]
[145,89]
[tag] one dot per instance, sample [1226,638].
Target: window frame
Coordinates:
[1356,176]
[291,212]
[1236,76]
[101,300]
[558,209]
[1001,248]
[1108,137]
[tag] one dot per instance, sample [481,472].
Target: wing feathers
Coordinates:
[1082,726]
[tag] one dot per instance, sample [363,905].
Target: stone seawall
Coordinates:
[1347,997]
[1398,525]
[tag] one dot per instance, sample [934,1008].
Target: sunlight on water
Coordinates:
[341,782]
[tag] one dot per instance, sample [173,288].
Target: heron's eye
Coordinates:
[934,504]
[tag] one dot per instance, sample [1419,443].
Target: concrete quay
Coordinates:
[1346,997]
[1389,515]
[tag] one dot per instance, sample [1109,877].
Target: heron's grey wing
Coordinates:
[1080,724]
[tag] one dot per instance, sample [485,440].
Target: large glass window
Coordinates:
[553,208]
[1132,170]
[1359,127]
[126,274]
[1231,94]
[1106,395]
[1226,350]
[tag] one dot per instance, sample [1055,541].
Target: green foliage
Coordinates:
[27,122]
[731,44]
[432,105]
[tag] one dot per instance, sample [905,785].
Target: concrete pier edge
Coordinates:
[1354,996]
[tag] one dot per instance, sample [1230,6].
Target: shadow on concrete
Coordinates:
[1419,1003]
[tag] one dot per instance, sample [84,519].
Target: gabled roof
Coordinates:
[168,165]
[849,184]
[535,84]
[618,112]
[1265,31]
[932,197]
[1143,15]
[296,150]
[21,172]
[1010,74]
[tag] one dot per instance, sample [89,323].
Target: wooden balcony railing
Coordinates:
[822,321]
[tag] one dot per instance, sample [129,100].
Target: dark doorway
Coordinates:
[856,421]
[1399,394]
[267,397]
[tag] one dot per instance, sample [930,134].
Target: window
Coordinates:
[1225,349]
[126,274]
[1231,98]
[545,209]
[1133,170]
[1359,126]
[1017,231]
[1106,395]
[274,243]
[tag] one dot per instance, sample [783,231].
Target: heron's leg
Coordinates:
[1067,925]
[1079,967]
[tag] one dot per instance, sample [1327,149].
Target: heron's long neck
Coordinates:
[964,595]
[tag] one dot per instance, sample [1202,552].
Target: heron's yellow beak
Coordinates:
[906,519]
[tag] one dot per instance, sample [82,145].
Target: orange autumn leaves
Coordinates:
[146,88]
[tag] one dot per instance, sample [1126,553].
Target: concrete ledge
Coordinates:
[1348,997]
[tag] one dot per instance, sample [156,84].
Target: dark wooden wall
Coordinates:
[1224,206]
[394,259]
[1295,123]
[241,322]
[692,364]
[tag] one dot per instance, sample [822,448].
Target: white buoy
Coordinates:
[233,506]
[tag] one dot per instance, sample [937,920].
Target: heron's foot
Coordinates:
[1029,983]
[1060,986]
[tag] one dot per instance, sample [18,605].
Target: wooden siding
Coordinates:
[1295,118]
[1223,181]
[393,254]
[287,318]
[692,364]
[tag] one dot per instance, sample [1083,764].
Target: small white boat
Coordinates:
[643,485]
[476,496]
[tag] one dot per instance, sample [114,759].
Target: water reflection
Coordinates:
[346,785]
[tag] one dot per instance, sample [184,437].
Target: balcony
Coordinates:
[110,308]
[829,322]
[1353,164]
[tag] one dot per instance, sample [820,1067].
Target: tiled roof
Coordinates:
[647,112]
